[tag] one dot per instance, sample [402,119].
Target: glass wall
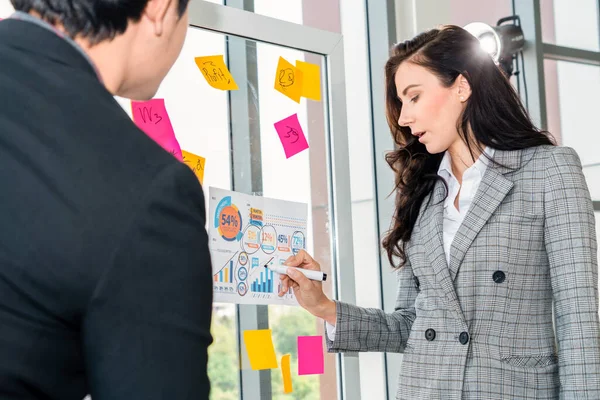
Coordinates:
[217,125]
[349,18]
[571,24]
[572,97]
[208,122]
[572,88]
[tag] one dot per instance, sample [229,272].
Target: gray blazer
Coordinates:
[482,327]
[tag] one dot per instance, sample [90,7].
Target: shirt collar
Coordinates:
[39,22]
[445,168]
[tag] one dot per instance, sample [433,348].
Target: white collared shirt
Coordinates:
[453,218]
[471,179]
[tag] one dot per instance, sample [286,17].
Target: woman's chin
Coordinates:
[433,149]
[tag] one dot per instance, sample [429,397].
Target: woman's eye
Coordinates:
[414,99]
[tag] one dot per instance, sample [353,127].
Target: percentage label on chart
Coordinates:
[229,222]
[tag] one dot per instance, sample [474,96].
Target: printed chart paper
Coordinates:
[245,233]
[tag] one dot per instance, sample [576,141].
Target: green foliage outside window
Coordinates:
[287,323]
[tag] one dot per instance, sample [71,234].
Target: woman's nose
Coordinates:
[404,119]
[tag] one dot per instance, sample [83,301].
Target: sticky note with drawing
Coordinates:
[259,346]
[311,80]
[216,73]
[151,116]
[196,163]
[291,135]
[289,80]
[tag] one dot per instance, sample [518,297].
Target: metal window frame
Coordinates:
[248,25]
[570,54]
[381,30]
[536,52]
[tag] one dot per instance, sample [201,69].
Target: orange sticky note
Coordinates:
[311,80]
[196,163]
[259,346]
[286,372]
[289,80]
[216,73]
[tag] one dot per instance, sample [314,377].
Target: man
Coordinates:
[105,282]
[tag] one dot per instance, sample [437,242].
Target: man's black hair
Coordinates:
[95,20]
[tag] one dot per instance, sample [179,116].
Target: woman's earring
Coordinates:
[462,98]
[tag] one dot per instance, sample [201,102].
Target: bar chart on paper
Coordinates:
[225,275]
[246,233]
[264,284]
[223,279]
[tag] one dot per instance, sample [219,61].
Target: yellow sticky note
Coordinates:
[286,372]
[311,80]
[289,80]
[216,73]
[259,346]
[196,163]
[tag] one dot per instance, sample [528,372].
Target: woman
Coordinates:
[493,227]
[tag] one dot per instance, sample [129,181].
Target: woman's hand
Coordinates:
[308,292]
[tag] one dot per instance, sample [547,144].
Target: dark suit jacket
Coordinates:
[105,276]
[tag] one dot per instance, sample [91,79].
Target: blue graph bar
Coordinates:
[263,284]
[270,281]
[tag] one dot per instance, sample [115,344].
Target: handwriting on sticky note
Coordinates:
[259,346]
[311,360]
[216,73]
[286,373]
[291,135]
[151,116]
[289,80]
[311,76]
[196,163]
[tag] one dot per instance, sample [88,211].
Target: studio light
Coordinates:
[502,42]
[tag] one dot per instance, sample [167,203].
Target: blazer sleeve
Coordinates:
[371,329]
[570,242]
[146,330]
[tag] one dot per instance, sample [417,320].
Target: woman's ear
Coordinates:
[463,88]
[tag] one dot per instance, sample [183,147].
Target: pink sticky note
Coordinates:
[291,135]
[310,355]
[151,116]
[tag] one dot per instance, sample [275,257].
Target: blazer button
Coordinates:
[498,277]
[463,338]
[416,282]
[430,334]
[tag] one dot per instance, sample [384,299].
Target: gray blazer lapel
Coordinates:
[432,224]
[492,190]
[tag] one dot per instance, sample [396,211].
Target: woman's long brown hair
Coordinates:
[494,116]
